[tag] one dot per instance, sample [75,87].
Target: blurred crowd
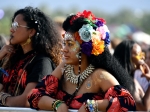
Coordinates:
[131,49]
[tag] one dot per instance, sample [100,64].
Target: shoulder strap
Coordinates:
[21,74]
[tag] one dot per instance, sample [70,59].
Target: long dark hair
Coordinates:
[47,40]
[105,60]
[123,54]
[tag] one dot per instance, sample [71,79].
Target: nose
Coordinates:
[65,49]
[12,30]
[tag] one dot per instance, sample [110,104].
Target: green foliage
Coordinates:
[124,16]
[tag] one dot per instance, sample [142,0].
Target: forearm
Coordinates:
[17,101]
[102,105]
[45,103]
[146,99]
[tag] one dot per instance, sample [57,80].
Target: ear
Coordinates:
[32,32]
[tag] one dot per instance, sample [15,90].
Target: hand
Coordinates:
[82,109]
[62,108]
[6,50]
[145,70]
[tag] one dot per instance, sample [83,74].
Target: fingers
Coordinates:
[6,50]
[10,50]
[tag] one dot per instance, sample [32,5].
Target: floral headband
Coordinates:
[94,36]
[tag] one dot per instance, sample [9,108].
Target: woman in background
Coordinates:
[131,57]
[33,53]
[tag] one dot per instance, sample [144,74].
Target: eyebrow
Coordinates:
[69,40]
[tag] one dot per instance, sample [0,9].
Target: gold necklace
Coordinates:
[74,78]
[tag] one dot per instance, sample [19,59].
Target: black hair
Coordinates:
[105,60]
[47,40]
[123,54]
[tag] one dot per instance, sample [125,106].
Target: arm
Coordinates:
[39,68]
[146,99]
[116,97]
[142,100]
[45,103]
[21,100]
[45,92]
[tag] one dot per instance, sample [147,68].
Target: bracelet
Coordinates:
[91,106]
[56,104]
[86,107]
[3,97]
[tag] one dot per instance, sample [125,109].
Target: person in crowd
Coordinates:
[147,56]
[131,57]
[34,51]
[3,41]
[89,79]
[59,21]
[138,74]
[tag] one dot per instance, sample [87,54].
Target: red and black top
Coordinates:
[17,80]
[120,100]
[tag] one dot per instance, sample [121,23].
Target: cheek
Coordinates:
[75,49]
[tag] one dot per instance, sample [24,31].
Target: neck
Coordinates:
[26,48]
[84,65]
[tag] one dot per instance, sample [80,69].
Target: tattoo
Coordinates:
[88,84]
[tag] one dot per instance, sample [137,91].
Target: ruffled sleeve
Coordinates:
[120,100]
[48,87]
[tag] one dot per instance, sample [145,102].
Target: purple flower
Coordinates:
[107,39]
[86,48]
[99,23]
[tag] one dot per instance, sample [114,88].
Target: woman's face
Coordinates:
[137,54]
[71,49]
[19,33]
[147,60]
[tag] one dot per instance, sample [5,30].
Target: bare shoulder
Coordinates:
[104,79]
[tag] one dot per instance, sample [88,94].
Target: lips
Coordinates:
[66,57]
[11,36]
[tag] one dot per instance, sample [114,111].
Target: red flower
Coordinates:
[89,15]
[101,19]
[85,14]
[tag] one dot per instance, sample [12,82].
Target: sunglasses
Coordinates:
[15,25]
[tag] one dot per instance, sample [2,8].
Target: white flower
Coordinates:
[86,32]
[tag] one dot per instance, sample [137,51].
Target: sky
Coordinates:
[109,6]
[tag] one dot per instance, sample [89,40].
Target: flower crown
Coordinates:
[93,36]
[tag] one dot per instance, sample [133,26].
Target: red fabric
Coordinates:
[119,98]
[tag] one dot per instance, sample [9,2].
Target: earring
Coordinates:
[27,42]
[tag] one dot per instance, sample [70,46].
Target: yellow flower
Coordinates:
[98,46]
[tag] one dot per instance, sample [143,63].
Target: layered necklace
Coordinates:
[69,72]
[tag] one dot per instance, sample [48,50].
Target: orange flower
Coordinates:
[98,46]
[77,37]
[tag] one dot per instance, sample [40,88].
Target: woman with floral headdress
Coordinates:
[33,53]
[89,79]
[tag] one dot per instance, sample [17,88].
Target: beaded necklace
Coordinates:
[74,78]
